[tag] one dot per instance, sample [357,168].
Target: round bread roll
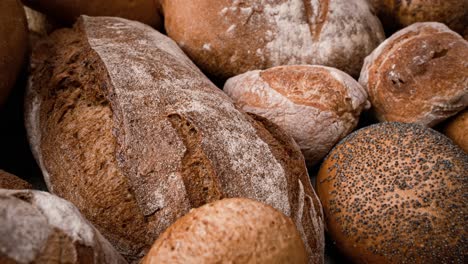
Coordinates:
[13,44]
[457,130]
[396,14]
[317,105]
[396,193]
[226,38]
[126,127]
[230,231]
[37,227]
[67,11]
[10,181]
[418,75]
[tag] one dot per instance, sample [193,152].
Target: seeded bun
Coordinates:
[230,231]
[226,38]
[37,227]
[317,105]
[10,181]
[396,193]
[418,75]
[457,130]
[13,44]
[67,11]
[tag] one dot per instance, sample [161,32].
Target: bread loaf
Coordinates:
[396,193]
[37,227]
[233,230]
[457,130]
[39,25]
[10,181]
[226,38]
[67,11]
[13,44]
[317,105]
[418,75]
[126,127]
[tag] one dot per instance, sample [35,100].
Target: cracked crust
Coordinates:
[418,75]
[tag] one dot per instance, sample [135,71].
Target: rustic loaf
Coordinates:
[67,11]
[13,44]
[396,193]
[10,181]
[126,127]
[226,38]
[418,75]
[317,105]
[235,230]
[37,227]
[457,130]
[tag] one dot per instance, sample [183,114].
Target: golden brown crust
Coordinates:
[405,80]
[230,231]
[67,11]
[396,193]
[10,181]
[13,44]
[457,130]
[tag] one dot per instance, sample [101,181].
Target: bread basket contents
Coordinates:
[226,38]
[457,130]
[232,230]
[10,181]
[396,193]
[418,75]
[317,105]
[13,44]
[128,129]
[37,227]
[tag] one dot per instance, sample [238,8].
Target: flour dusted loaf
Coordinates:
[67,11]
[37,227]
[232,230]
[226,38]
[10,181]
[317,105]
[396,193]
[127,128]
[396,14]
[13,44]
[457,130]
[418,75]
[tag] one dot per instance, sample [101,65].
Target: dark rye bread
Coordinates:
[10,181]
[37,227]
[396,193]
[126,127]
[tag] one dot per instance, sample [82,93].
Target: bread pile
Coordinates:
[154,163]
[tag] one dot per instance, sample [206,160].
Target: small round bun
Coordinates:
[396,193]
[418,75]
[13,44]
[37,227]
[10,181]
[317,105]
[457,130]
[226,38]
[235,230]
[396,14]
[145,11]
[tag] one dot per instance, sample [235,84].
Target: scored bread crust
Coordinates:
[126,127]
[226,38]
[418,75]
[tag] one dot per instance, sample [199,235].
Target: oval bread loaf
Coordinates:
[126,127]
[226,38]
[235,230]
[37,227]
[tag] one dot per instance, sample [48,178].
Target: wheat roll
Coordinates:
[396,193]
[10,181]
[127,128]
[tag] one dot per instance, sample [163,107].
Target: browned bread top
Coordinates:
[457,130]
[10,181]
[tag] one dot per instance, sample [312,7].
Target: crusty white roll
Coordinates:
[226,38]
[317,105]
[418,75]
[37,227]
[235,230]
